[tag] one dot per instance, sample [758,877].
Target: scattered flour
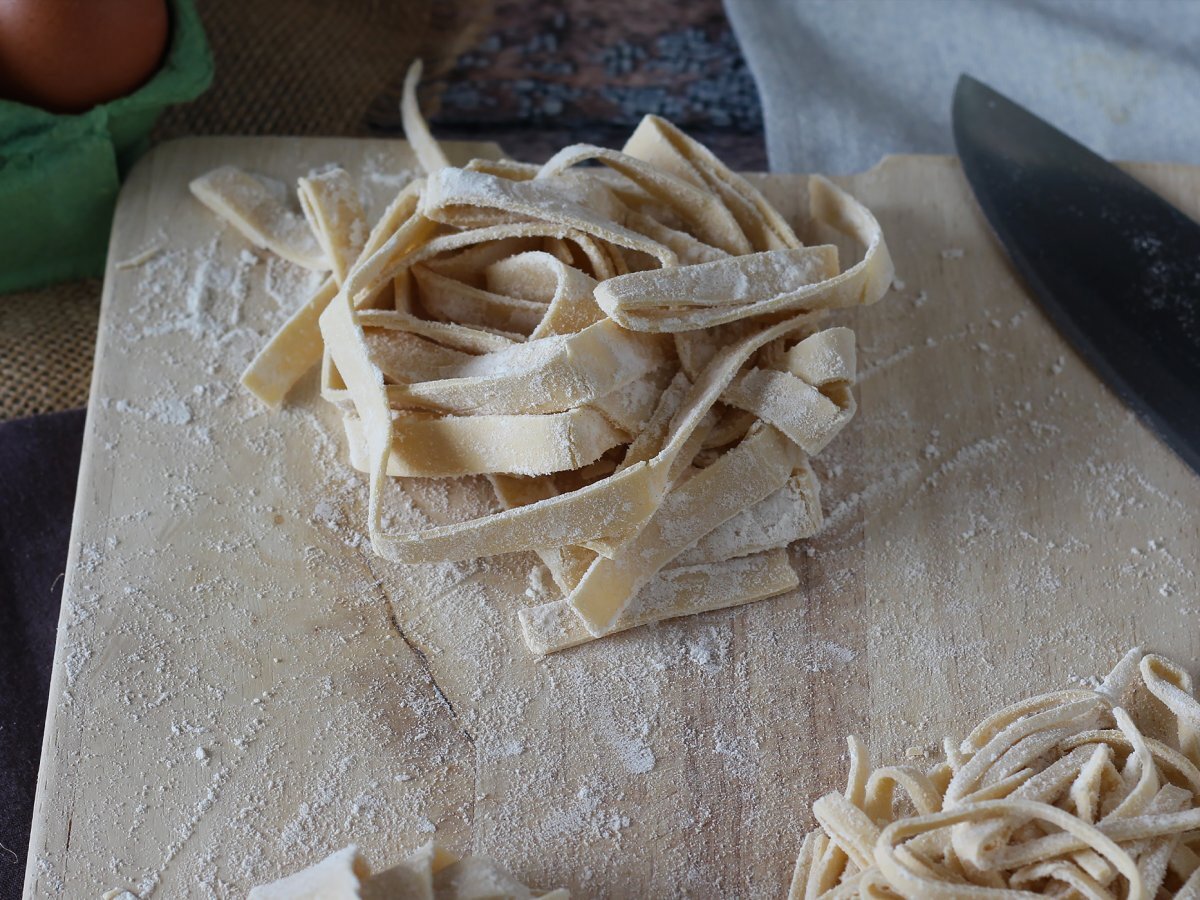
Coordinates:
[279,691]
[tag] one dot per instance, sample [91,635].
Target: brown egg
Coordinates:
[69,55]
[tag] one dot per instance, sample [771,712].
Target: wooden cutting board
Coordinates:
[241,688]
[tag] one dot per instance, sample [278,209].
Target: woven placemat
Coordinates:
[47,339]
[532,75]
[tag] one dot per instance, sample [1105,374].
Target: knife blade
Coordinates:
[1114,265]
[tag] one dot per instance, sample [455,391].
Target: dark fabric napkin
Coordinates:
[39,464]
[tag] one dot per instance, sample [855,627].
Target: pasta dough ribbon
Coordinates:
[549,374]
[335,214]
[777,281]
[297,346]
[251,206]
[456,446]
[430,873]
[660,143]
[454,195]
[708,219]
[681,591]
[742,477]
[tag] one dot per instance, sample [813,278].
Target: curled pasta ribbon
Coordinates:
[297,346]
[550,374]
[430,873]
[632,353]
[1060,795]
[772,281]
[705,216]
[664,146]
[335,214]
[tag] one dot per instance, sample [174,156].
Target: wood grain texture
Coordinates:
[240,687]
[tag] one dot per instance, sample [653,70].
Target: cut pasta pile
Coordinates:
[1062,795]
[431,873]
[632,351]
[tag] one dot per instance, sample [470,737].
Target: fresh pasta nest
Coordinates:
[1073,794]
[633,351]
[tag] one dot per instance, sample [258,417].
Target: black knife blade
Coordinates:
[1114,265]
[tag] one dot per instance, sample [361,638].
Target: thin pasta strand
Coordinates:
[1067,822]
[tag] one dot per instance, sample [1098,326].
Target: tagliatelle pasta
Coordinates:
[426,446]
[679,591]
[632,352]
[253,206]
[335,214]
[1064,795]
[431,873]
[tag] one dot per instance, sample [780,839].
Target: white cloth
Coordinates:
[845,82]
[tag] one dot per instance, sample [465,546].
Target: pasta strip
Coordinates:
[550,374]
[789,514]
[659,142]
[567,291]
[753,470]
[429,153]
[1065,872]
[417,242]
[1138,828]
[430,872]
[881,784]
[708,219]
[339,875]
[448,300]
[293,350]
[912,883]
[684,591]
[456,446]
[451,191]
[335,214]
[969,775]
[808,417]
[1173,688]
[469,263]
[617,505]
[1174,762]
[405,357]
[709,294]
[688,249]
[827,357]
[466,338]
[249,205]
[798,889]
[713,293]
[297,346]
[848,827]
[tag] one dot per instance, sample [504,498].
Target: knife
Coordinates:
[1115,266]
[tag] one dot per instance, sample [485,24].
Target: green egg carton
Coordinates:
[59,174]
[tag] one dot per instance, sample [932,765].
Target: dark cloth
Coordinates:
[39,464]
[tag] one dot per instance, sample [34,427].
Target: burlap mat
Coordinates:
[532,74]
[47,339]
